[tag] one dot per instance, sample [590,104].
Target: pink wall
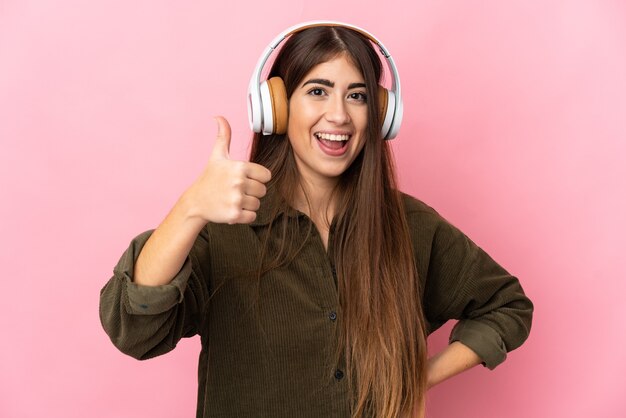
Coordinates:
[514,130]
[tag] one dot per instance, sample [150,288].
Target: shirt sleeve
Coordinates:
[494,314]
[147,321]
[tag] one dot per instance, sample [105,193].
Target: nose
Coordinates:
[337,111]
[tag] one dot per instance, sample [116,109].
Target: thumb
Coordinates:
[221,148]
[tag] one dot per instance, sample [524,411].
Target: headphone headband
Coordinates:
[391,124]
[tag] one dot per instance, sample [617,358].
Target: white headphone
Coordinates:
[268,104]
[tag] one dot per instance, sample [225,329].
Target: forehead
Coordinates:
[336,69]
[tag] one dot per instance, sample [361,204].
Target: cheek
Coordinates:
[296,120]
[360,145]
[362,118]
[297,130]
[360,123]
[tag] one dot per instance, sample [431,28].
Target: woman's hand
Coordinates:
[227,191]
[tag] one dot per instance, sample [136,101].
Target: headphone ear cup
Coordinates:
[274,106]
[382,102]
[387,102]
[280,104]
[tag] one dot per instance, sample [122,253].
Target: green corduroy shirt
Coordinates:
[268,347]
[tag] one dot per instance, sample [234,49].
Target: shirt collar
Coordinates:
[266,214]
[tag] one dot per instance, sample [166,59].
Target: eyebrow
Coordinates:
[329,83]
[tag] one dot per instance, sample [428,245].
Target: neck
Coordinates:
[316,200]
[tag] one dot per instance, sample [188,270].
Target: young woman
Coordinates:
[311,280]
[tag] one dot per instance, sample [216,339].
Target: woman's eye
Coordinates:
[316,92]
[361,97]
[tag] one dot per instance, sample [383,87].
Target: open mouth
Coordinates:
[333,142]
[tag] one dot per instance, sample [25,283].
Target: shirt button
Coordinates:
[338,374]
[332,315]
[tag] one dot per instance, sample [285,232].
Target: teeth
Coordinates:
[332,137]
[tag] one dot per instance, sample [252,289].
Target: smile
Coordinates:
[332,137]
[333,144]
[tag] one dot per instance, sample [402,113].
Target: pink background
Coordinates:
[514,130]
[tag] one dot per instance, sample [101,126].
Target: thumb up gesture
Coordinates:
[227,191]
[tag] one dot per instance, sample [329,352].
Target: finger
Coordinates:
[245,217]
[254,188]
[221,147]
[249,203]
[257,172]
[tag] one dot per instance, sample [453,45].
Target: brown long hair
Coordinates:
[382,333]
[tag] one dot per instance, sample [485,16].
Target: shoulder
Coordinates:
[433,236]
[413,205]
[420,215]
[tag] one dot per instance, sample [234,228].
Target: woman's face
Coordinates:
[327,120]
